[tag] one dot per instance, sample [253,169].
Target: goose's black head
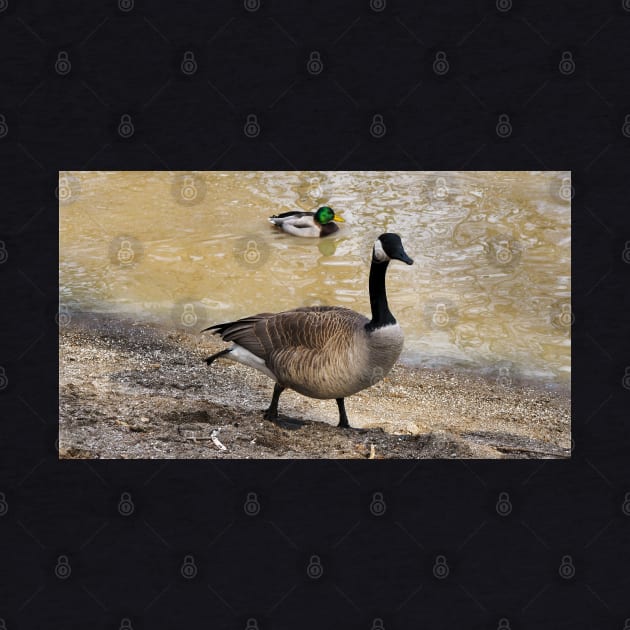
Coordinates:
[388,247]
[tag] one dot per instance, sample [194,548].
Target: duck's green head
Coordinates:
[326,215]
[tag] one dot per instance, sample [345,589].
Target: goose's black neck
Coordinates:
[381,315]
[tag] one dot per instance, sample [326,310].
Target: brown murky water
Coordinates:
[490,289]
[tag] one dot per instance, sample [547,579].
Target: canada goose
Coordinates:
[309,224]
[322,351]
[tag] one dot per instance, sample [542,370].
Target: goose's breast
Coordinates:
[385,345]
[345,367]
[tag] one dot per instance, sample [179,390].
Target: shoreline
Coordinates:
[133,390]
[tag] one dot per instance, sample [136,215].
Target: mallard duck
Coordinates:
[322,351]
[309,224]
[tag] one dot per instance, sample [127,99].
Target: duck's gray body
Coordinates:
[322,352]
[304,224]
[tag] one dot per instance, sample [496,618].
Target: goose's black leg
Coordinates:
[343,418]
[272,412]
[209,360]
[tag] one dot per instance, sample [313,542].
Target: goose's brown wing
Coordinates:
[300,331]
[243,332]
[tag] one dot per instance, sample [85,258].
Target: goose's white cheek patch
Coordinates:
[379,252]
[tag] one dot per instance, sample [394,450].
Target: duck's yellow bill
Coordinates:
[339,219]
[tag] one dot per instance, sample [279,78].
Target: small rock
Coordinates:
[138,428]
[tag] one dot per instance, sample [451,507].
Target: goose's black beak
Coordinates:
[403,256]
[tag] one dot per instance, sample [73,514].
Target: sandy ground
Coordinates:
[130,390]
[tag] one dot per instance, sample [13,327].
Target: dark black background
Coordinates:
[255,62]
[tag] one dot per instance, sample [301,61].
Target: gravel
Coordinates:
[130,390]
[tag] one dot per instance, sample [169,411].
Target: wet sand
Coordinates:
[129,390]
